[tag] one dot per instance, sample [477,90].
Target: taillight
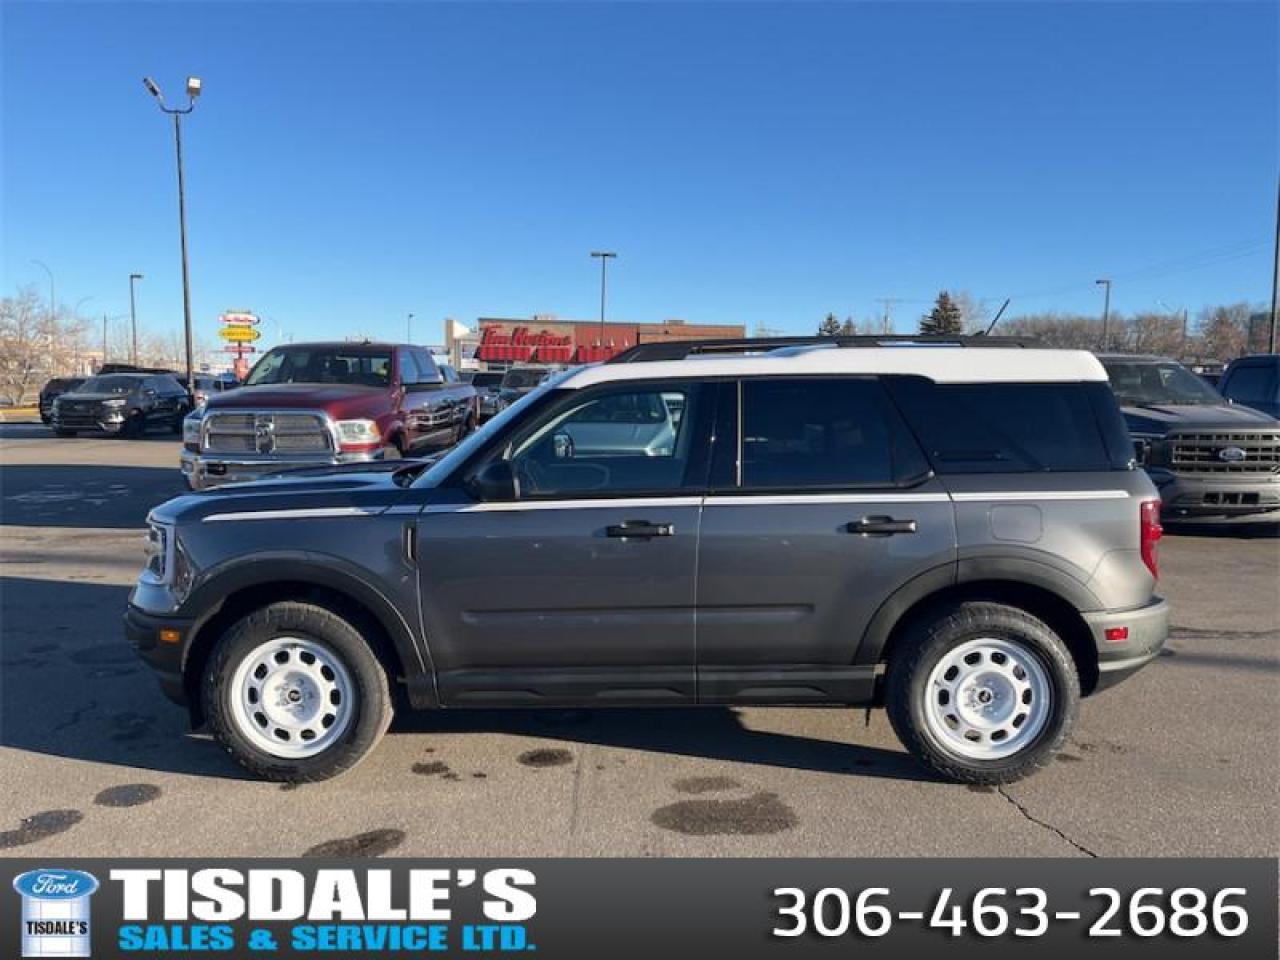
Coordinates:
[1151,532]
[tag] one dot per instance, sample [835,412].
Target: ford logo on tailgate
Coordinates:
[1232,455]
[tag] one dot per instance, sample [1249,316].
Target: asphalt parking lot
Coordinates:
[1180,760]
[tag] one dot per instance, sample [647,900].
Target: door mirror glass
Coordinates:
[495,481]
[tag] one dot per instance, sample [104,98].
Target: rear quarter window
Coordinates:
[1015,427]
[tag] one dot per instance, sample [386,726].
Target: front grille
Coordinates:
[266,434]
[1224,454]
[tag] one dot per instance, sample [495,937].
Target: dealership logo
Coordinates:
[55,912]
[1231,455]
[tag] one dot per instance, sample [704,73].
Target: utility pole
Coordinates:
[605,256]
[104,342]
[1105,283]
[133,316]
[1275,282]
[408,329]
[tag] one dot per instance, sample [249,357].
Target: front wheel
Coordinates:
[983,693]
[59,432]
[294,693]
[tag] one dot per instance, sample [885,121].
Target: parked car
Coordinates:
[1213,461]
[209,384]
[1254,382]
[488,384]
[316,404]
[51,391]
[957,534]
[518,381]
[121,404]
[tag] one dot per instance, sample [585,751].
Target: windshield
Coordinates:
[444,466]
[522,379]
[1147,383]
[109,384]
[323,364]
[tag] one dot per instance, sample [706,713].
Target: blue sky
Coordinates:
[350,163]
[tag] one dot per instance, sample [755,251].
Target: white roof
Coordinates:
[940,364]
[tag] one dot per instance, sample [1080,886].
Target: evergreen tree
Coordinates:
[944,320]
[829,327]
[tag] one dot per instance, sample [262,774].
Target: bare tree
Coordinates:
[35,343]
[1223,331]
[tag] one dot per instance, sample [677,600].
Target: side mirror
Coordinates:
[496,481]
[562,446]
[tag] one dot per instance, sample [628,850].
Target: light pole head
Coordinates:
[603,253]
[1104,282]
[135,276]
[193,87]
[153,88]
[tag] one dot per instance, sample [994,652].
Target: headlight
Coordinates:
[115,402]
[157,550]
[191,432]
[1150,450]
[358,431]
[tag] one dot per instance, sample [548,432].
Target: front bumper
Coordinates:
[1148,628]
[1217,500]
[142,630]
[105,421]
[202,471]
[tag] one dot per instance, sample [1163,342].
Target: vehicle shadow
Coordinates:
[89,496]
[71,686]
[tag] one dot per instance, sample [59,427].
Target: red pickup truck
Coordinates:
[312,404]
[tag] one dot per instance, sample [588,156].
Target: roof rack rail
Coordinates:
[679,349]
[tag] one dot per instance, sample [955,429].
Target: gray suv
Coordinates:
[954,530]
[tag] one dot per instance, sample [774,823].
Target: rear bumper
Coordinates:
[142,630]
[1147,629]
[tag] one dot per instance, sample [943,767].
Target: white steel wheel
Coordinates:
[987,699]
[291,697]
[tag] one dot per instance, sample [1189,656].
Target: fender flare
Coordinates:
[321,570]
[1014,570]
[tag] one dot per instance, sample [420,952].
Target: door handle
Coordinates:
[640,530]
[880,526]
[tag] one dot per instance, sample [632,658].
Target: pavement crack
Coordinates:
[1027,815]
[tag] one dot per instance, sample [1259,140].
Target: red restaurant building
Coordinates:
[551,340]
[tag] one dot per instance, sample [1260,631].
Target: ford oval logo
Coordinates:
[50,884]
[1232,455]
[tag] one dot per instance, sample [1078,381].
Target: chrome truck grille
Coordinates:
[265,434]
[1225,454]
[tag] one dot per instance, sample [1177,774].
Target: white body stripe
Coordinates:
[1043,495]
[626,503]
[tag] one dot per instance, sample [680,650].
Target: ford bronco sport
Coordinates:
[955,530]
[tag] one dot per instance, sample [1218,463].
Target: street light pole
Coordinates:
[133,315]
[194,87]
[53,300]
[605,256]
[408,329]
[1275,282]
[1105,283]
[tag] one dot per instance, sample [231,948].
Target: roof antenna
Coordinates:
[996,318]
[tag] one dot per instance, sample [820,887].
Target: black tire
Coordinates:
[928,641]
[135,426]
[59,432]
[371,710]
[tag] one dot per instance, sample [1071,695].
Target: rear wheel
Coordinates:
[135,426]
[983,693]
[294,693]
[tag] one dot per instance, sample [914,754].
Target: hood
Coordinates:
[92,397]
[339,400]
[1160,419]
[369,490]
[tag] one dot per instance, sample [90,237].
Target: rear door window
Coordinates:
[807,433]
[1014,427]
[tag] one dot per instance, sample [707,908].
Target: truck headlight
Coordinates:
[157,550]
[115,402]
[191,432]
[361,432]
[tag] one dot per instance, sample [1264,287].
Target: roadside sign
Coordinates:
[239,318]
[239,332]
[239,349]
